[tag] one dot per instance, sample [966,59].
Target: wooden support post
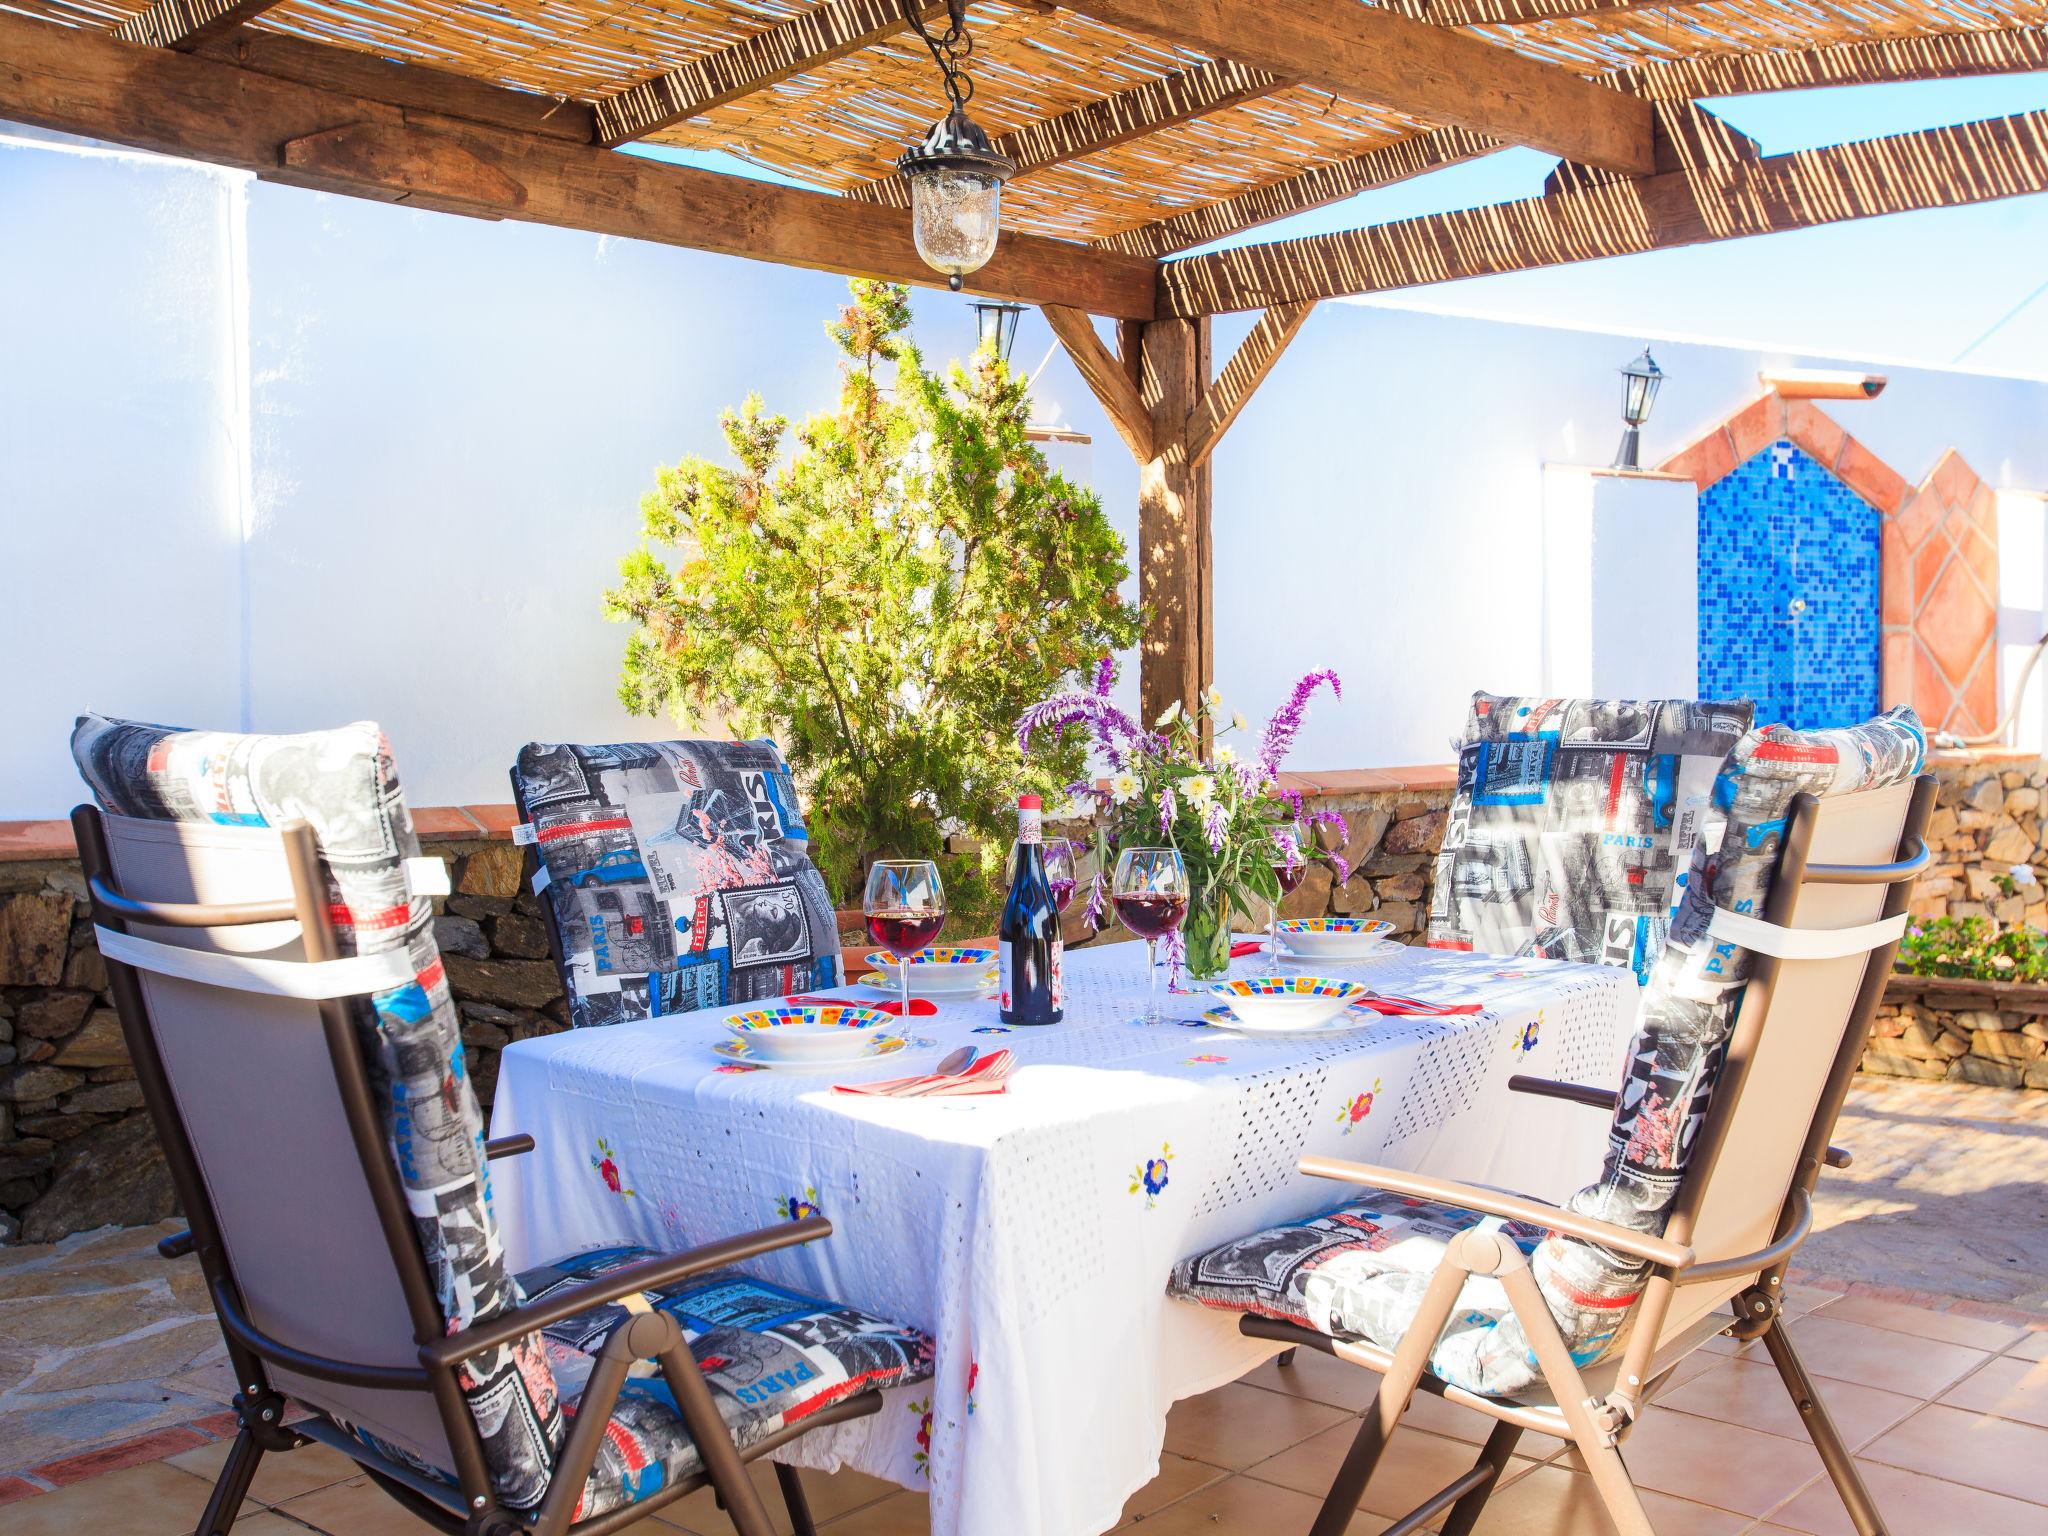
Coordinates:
[1176,656]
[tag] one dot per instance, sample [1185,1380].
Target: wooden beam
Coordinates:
[1241,377]
[1113,120]
[1948,55]
[1490,13]
[82,82]
[1176,653]
[418,88]
[1324,184]
[1105,376]
[1370,54]
[774,54]
[1717,198]
[186,24]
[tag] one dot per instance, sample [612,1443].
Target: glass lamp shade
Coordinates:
[956,196]
[995,324]
[1640,380]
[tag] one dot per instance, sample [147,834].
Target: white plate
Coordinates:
[1335,946]
[930,981]
[1343,1023]
[873,1050]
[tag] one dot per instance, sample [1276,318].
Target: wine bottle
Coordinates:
[1030,929]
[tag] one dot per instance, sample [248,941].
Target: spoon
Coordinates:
[955,1063]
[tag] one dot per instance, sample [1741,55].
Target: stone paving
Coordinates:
[1927,1319]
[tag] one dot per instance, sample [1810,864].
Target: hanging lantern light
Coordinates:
[1639,383]
[995,324]
[956,177]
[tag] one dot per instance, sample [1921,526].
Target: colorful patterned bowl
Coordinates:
[806,1031]
[1286,1002]
[937,972]
[1333,937]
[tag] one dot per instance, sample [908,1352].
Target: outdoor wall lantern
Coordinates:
[956,177]
[1638,394]
[995,322]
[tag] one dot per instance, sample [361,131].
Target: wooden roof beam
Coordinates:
[1367,53]
[1940,56]
[185,24]
[1110,121]
[79,81]
[787,49]
[1240,379]
[1107,377]
[1718,196]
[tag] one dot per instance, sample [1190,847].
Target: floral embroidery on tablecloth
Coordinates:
[606,1162]
[923,1455]
[1357,1107]
[1151,1176]
[797,1207]
[729,1067]
[990,1029]
[1531,1033]
[973,1375]
[1207,1059]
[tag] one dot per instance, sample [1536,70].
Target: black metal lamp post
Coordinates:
[956,177]
[995,324]
[1640,380]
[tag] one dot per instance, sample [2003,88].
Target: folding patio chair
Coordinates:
[1572,822]
[673,876]
[261,909]
[1567,1320]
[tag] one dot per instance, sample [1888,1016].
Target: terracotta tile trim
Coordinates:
[26,841]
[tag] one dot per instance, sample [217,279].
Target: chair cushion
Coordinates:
[771,1356]
[1687,1013]
[344,785]
[679,876]
[1573,822]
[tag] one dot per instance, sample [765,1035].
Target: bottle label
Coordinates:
[1029,824]
[1059,985]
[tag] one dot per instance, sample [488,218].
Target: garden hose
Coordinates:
[1996,735]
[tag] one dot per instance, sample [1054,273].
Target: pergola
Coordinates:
[1142,128]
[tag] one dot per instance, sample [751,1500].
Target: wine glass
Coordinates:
[1290,877]
[1151,896]
[906,907]
[1059,872]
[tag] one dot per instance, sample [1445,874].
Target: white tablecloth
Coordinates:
[1021,1231]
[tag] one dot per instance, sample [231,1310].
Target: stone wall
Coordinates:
[1990,860]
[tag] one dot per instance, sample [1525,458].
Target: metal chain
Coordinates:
[951,48]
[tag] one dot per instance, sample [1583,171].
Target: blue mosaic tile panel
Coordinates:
[1788,584]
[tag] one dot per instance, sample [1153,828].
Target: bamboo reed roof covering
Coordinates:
[838,123]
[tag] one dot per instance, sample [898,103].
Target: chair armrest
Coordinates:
[1494,1202]
[1838,1157]
[647,1275]
[1763,1258]
[507,1146]
[177,1245]
[1551,1088]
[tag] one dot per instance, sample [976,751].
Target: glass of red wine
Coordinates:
[1059,871]
[1150,891]
[906,907]
[1290,877]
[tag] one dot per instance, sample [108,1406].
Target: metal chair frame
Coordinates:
[469,1507]
[1598,1422]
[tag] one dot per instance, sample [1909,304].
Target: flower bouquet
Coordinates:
[1235,826]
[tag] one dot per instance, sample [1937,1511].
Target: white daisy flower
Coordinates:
[1212,699]
[1123,788]
[1200,790]
[1168,716]
[1225,752]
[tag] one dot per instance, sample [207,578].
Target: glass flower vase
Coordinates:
[1207,937]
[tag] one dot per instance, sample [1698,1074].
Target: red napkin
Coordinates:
[987,1074]
[919,1006]
[1246,947]
[1382,1002]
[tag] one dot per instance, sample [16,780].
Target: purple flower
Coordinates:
[1251,778]
[1289,849]
[1215,824]
[1176,952]
[1280,731]
[1105,676]
[1114,731]
[1094,914]
[1167,810]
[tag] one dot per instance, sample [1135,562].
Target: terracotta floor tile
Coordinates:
[1553,1502]
[1178,1477]
[1415,1466]
[1801,1300]
[1997,1455]
[1691,1458]
[1237,1425]
[2011,1387]
[1749,1393]
[1878,1357]
[1244,1506]
[12,1488]
[901,1514]
[149,1500]
[1320,1378]
[830,1495]
[127,1453]
[285,1475]
[1433,1415]
[1912,1505]
[357,1507]
[1972,1332]
[2032,1347]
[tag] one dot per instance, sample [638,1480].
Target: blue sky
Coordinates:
[1965,287]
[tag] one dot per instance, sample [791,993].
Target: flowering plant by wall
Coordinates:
[1186,784]
[1973,947]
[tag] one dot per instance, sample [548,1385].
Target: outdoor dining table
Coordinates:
[1030,1233]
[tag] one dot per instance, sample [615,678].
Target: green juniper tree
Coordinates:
[885,602]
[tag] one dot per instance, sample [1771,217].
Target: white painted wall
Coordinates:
[271,459]
[1620,597]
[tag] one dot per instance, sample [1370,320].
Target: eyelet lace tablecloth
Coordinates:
[1031,1233]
